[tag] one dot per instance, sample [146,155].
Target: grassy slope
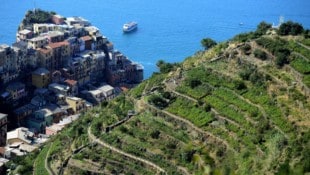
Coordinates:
[252,118]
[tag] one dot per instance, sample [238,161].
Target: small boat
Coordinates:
[128,27]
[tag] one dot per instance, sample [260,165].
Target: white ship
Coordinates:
[128,27]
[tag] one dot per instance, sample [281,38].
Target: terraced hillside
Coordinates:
[242,107]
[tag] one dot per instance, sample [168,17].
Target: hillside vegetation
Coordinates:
[238,107]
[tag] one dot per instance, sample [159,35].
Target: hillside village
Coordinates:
[58,68]
[238,107]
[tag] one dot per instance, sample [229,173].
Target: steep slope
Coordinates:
[242,107]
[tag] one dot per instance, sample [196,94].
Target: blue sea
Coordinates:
[168,29]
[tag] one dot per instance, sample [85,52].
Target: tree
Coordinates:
[260,54]
[282,56]
[307,34]
[194,83]
[157,101]
[243,37]
[160,63]
[207,107]
[208,43]
[262,28]
[165,67]
[155,134]
[246,49]
[239,85]
[290,28]
[281,59]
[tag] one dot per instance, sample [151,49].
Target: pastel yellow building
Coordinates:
[77,104]
[40,78]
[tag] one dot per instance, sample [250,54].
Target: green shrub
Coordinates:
[38,16]
[301,65]
[246,49]
[40,161]
[155,134]
[272,45]
[187,109]
[166,67]
[138,90]
[262,28]
[157,101]
[281,59]
[306,41]
[243,37]
[260,54]
[306,80]
[208,43]
[290,28]
[240,85]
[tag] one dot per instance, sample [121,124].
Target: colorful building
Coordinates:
[40,78]
[76,104]
[3,129]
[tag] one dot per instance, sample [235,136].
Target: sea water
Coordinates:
[168,29]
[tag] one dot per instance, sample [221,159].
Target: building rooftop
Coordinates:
[54,108]
[45,112]
[91,28]
[71,40]
[24,109]
[106,88]
[41,91]
[21,133]
[71,82]
[15,86]
[78,26]
[41,71]
[88,104]
[44,24]
[38,38]
[55,127]
[2,116]
[138,66]
[20,45]
[4,46]
[86,38]
[25,32]
[58,16]
[59,87]
[77,19]
[49,110]
[44,51]
[3,161]
[53,33]
[68,120]
[27,148]
[58,44]
[95,92]
[38,100]
[75,98]
[5,94]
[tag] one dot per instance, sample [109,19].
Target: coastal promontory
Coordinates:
[237,107]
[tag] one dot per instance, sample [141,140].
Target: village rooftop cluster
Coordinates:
[53,72]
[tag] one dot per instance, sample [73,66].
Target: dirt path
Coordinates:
[262,110]
[104,144]
[300,55]
[86,166]
[197,129]
[184,170]
[217,114]
[50,171]
[306,47]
